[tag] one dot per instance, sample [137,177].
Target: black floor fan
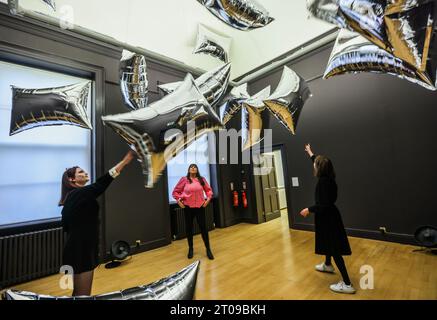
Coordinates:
[426,237]
[120,250]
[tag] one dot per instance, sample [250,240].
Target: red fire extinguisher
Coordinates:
[235,198]
[244,198]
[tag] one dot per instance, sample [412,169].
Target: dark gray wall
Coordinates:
[379,132]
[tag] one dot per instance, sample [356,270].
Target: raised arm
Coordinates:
[102,183]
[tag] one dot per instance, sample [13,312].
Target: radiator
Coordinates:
[28,256]
[178,222]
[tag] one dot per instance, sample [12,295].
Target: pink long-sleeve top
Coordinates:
[192,194]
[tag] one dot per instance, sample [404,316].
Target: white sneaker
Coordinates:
[341,287]
[324,268]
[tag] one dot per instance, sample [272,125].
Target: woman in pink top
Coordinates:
[189,193]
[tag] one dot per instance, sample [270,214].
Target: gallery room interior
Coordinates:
[218,150]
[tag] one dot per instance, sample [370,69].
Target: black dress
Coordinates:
[331,238]
[80,220]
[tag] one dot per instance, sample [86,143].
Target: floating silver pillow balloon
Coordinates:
[213,44]
[287,101]
[65,105]
[239,14]
[353,53]
[404,28]
[251,119]
[179,286]
[133,80]
[163,129]
[212,84]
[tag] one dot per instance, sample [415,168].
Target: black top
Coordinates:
[80,219]
[331,238]
[326,193]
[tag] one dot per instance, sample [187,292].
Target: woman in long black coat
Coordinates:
[80,220]
[331,238]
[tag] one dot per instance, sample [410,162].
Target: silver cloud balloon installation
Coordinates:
[403,28]
[179,286]
[287,101]
[239,14]
[166,127]
[65,105]
[212,84]
[133,80]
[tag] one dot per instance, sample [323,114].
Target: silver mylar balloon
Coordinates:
[166,127]
[251,120]
[327,10]
[239,14]
[233,103]
[287,101]
[133,80]
[353,53]
[211,43]
[179,286]
[51,3]
[65,105]
[212,48]
[212,84]
[404,28]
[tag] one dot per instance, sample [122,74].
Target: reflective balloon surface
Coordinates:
[251,119]
[133,80]
[166,127]
[179,286]
[212,84]
[233,103]
[353,53]
[287,101]
[239,14]
[65,105]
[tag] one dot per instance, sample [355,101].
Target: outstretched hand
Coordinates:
[308,150]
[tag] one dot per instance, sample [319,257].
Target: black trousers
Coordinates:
[341,266]
[199,214]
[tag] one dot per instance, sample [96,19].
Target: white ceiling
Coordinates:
[169,28]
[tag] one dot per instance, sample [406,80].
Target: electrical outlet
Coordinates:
[383,230]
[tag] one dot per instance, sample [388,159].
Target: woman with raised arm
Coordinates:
[331,238]
[80,220]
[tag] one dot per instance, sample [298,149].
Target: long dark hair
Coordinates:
[66,185]
[323,167]
[198,176]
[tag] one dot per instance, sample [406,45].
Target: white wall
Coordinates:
[169,27]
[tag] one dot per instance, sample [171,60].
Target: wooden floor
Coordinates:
[270,261]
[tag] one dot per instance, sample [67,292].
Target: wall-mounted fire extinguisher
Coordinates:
[244,198]
[235,198]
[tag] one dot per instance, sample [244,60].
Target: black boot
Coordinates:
[190,253]
[209,254]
